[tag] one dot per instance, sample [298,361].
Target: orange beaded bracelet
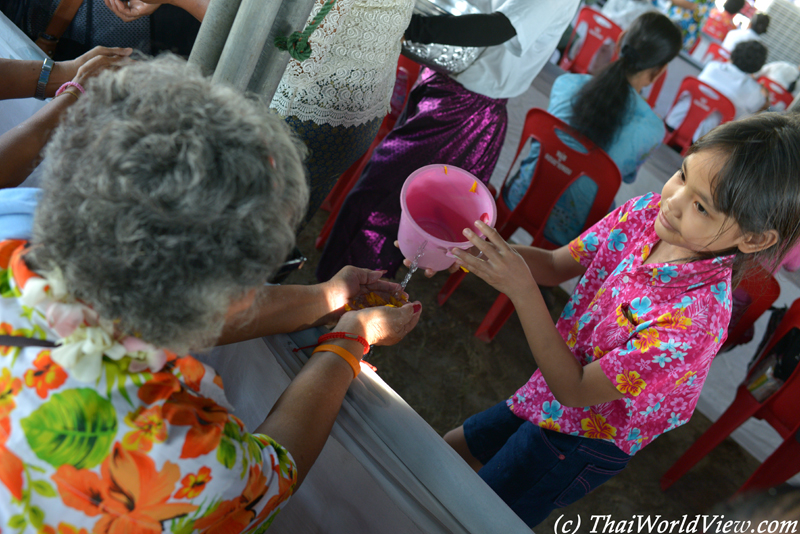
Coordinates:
[345,354]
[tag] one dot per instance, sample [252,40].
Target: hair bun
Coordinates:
[629,54]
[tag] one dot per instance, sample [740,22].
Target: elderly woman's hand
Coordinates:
[352,282]
[381,325]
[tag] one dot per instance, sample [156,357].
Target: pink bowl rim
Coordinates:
[442,242]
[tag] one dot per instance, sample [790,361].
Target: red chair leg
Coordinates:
[781,465]
[741,409]
[498,314]
[451,285]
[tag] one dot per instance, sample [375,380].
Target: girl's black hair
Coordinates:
[760,23]
[733,6]
[758,186]
[601,105]
[749,56]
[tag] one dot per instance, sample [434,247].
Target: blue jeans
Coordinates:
[535,470]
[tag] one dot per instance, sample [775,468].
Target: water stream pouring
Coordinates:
[414,266]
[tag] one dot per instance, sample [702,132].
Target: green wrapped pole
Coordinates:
[272,63]
[297,43]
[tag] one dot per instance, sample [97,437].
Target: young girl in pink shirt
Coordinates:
[629,355]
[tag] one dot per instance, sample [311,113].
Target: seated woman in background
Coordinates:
[168,202]
[609,110]
[734,79]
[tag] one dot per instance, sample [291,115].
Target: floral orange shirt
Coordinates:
[655,328]
[134,452]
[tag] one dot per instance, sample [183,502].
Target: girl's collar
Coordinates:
[82,336]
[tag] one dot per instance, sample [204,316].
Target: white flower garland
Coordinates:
[84,337]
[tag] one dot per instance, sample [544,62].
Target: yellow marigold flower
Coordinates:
[630,382]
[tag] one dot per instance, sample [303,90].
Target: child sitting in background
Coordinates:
[628,358]
[758,27]
[734,80]
[609,110]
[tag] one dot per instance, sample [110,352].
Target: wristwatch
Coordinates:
[44,76]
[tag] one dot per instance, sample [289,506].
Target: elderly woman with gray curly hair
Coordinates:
[167,204]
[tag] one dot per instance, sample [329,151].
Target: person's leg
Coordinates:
[455,438]
[538,470]
[483,434]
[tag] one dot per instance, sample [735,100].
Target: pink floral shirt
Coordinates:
[655,329]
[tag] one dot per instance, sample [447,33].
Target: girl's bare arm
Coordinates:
[509,271]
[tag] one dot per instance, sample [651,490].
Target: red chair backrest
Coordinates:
[718,24]
[557,167]
[656,89]
[763,290]
[599,28]
[779,98]
[780,410]
[716,53]
[705,100]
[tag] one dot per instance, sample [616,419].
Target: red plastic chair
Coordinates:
[715,52]
[779,98]
[599,28]
[779,410]
[556,169]
[718,24]
[705,100]
[656,89]
[407,73]
[764,290]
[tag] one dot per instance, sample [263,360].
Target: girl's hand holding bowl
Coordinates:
[453,268]
[500,266]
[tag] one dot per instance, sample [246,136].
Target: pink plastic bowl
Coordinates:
[437,205]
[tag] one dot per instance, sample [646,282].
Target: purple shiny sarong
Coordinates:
[442,123]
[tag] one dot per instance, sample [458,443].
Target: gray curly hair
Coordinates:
[166,198]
